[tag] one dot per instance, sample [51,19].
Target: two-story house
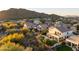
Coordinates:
[59,32]
[73,42]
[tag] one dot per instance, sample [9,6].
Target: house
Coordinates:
[30,25]
[49,23]
[59,32]
[37,21]
[42,27]
[74,27]
[73,42]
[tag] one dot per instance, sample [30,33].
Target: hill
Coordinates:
[14,13]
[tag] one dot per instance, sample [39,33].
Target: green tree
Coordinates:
[44,32]
[50,42]
[42,21]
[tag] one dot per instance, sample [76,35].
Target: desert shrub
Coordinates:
[11,47]
[17,36]
[9,24]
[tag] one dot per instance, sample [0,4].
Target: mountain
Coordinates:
[14,13]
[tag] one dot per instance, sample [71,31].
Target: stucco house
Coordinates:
[42,27]
[73,42]
[59,32]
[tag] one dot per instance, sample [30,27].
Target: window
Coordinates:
[57,33]
[67,33]
[69,43]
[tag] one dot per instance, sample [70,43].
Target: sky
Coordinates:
[58,11]
[66,7]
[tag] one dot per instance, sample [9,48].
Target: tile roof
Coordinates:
[62,28]
[74,39]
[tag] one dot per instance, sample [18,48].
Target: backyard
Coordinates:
[63,48]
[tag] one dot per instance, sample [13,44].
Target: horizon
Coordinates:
[57,11]
[63,8]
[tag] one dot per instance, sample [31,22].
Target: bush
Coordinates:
[9,24]
[50,42]
[11,47]
[24,30]
[17,36]
[44,32]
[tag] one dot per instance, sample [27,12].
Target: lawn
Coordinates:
[63,48]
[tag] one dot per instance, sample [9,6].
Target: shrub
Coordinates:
[50,42]
[24,30]
[17,36]
[11,47]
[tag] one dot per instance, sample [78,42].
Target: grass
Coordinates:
[63,48]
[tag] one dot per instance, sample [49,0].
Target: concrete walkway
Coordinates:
[55,45]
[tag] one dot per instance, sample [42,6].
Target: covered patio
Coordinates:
[55,37]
